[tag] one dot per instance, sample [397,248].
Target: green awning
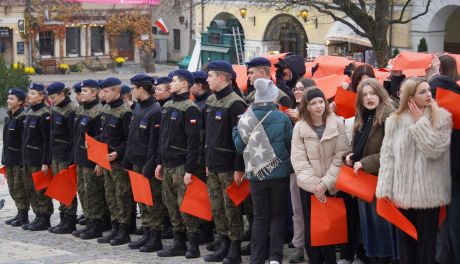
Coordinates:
[215,48]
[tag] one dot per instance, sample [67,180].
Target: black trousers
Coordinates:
[269,198]
[423,250]
[316,255]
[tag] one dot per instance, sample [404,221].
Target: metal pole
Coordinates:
[190,50]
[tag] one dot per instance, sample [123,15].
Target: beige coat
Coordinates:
[318,160]
[415,161]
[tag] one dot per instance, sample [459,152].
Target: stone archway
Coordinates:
[286,34]
[434,26]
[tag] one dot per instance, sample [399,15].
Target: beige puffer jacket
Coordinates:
[318,160]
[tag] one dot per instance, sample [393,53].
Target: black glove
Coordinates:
[148,171]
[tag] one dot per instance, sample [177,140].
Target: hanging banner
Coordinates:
[126,2]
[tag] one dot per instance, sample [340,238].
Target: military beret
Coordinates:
[200,77]
[110,82]
[188,76]
[125,89]
[90,84]
[163,80]
[20,94]
[258,62]
[220,66]
[55,87]
[142,79]
[77,87]
[37,87]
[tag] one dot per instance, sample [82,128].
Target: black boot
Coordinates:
[77,233]
[23,218]
[142,241]
[206,235]
[26,225]
[122,237]
[80,217]
[106,239]
[178,248]
[11,220]
[221,251]
[94,230]
[83,220]
[212,246]
[234,254]
[193,248]
[167,232]
[106,224]
[69,226]
[246,250]
[154,244]
[42,224]
[63,217]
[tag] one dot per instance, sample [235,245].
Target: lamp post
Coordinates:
[304,15]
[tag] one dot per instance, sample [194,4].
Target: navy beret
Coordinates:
[234,76]
[55,87]
[77,87]
[90,84]
[37,87]
[142,79]
[110,82]
[20,94]
[125,89]
[188,76]
[171,74]
[220,66]
[200,77]
[163,80]
[258,62]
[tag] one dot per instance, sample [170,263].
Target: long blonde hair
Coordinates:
[385,104]
[408,89]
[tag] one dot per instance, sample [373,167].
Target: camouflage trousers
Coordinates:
[152,216]
[15,180]
[227,217]
[41,204]
[58,166]
[173,193]
[118,193]
[91,193]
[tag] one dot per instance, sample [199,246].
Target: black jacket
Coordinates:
[200,100]
[179,142]
[115,127]
[62,122]
[143,136]
[297,66]
[35,147]
[12,138]
[220,118]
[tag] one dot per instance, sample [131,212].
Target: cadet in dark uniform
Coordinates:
[90,187]
[11,155]
[224,165]
[141,151]
[200,89]
[127,96]
[36,155]
[162,90]
[77,89]
[115,122]
[61,143]
[177,160]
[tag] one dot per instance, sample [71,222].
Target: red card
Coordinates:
[442,215]
[283,108]
[412,60]
[389,212]
[196,200]
[3,171]
[329,84]
[241,76]
[63,187]
[238,193]
[97,152]
[362,185]
[328,222]
[41,181]
[345,103]
[330,65]
[414,72]
[449,100]
[141,188]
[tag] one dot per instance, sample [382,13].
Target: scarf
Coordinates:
[360,139]
[259,156]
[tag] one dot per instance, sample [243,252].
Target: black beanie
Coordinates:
[313,93]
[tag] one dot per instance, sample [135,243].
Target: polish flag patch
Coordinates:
[157,126]
[193,121]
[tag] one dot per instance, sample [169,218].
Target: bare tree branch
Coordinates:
[400,19]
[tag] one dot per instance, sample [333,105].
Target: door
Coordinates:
[125,45]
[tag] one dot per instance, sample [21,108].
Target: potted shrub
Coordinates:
[29,70]
[120,61]
[63,67]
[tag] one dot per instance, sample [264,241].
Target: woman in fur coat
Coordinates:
[415,167]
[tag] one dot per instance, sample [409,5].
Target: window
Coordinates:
[46,42]
[177,39]
[72,41]
[97,41]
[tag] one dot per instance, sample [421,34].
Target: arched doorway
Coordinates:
[452,38]
[286,31]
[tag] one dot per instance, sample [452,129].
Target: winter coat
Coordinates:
[318,160]
[278,128]
[415,160]
[441,81]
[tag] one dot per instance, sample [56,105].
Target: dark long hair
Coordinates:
[358,73]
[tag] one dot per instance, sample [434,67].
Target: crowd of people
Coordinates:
[281,134]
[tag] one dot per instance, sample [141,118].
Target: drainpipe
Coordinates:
[391,29]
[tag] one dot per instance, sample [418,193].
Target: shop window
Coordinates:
[46,43]
[177,39]
[97,41]
[72,41]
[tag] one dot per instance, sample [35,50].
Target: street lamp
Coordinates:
[244,13]
[304,15]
